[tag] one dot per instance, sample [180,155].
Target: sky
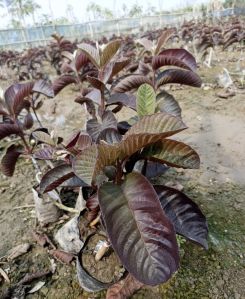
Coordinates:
[59,7]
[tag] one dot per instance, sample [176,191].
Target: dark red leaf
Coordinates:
[19,98]
[81,60]
[131,83]
[62,82]
[83,141]
[167,103]
[93,202]
[9,96]
[187,218]
[89,104]
[180,77]
[73,182]
[165,36]
[124,99]
[124,289]
[72,140]
[94,128]
[110,135]
[43,87]
[28,121]
[96,83]
[55,177]
[139,230]
[46,153]
[8,129]
[177,57]
[119,65]
[9,159]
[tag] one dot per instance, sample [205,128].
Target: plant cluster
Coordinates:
[196,35]
[141,219]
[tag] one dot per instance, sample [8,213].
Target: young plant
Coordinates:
[140,219]
[16,119]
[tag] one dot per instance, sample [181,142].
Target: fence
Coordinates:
[40,35]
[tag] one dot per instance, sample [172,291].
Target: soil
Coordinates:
[216,131]
[108,269]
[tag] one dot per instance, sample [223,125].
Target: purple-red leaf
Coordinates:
[62,82]
[173,153]
[139,231]
[9,160]
[91,52]
[109,51]
[94,128]
[124,289]
[187,218]
[176,57]
[46,153]
[83,141]
[163,39]
[119,65]
[167,103]
[80,60]
[55,177]
[180,77]
[110,135]
[123,99]
[89,104]
[131,83]
[28,121]
[43,87]
[9,96]
[19,98]
[96,83]
[8,129]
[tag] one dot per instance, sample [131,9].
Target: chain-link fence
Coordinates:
[40,35]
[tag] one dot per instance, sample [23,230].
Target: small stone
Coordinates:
[220,283]
[237,296]
[206,88]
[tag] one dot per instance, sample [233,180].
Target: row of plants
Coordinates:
[121,212]
[196,35]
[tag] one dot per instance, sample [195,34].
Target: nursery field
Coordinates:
[214,114]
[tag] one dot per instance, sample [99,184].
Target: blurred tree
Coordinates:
[20,9]
[70,13]
[30,8]
[135,11]
[151,10]
[234,3]
[124,10]
[99,12]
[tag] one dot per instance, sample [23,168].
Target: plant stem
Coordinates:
[37,118]
[103,101]
[65,208]
[144,167]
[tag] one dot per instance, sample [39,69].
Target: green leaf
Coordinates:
[146,100]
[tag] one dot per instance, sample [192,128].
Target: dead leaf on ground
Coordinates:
[18,251]
[4,275]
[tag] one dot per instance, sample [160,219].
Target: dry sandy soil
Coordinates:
[216,131]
